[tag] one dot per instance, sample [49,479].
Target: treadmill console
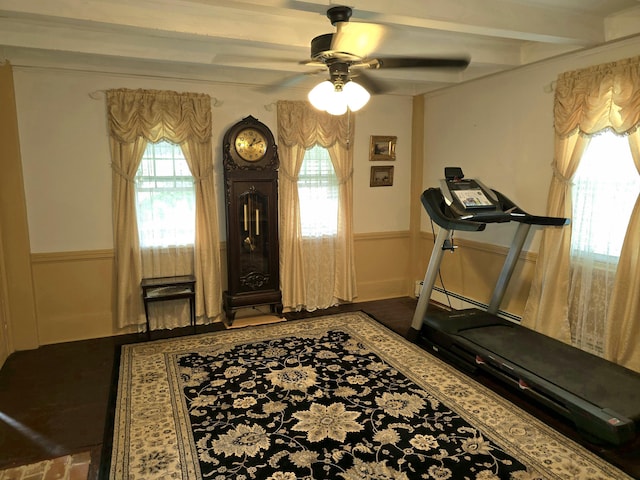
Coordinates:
[468,198]
[463,195]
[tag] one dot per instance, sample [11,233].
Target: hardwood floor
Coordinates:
[55,400]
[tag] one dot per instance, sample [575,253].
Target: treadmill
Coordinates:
[601,398]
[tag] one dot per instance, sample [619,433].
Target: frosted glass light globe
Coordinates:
[357,95]
[318,94]
[336,103]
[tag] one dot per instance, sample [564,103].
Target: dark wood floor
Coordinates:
[55,400]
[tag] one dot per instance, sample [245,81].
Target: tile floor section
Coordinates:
[69,467]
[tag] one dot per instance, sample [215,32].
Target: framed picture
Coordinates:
[382,148]
[381,176]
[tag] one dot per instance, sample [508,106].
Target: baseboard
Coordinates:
[381,289]
[460,302]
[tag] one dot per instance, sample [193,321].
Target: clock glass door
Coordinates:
[253,227]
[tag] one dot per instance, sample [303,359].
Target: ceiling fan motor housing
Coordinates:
[339,14]
[321,46]
[321,51]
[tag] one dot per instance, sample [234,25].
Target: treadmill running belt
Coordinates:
[607,384]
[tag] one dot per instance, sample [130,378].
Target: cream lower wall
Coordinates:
[382,264]
[74,295]
[74,290]
[472,271]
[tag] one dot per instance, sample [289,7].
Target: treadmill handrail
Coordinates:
[444,216]
[518,215]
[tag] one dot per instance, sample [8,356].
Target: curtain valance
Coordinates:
[604,96]
[300,125]
[158,115]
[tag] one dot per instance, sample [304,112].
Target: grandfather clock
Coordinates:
[250,159]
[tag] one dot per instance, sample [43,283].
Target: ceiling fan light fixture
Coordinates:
[335,98]
[357,95]
[336,103]
[319,94]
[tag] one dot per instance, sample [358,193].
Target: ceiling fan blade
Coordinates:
[417,62]
[311,63]
[359,39]
[290,81]
[373,86]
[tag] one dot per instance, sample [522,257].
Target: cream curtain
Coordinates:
[199,156]
[623,321]
[300,127]
[125,158]
[586,102]
[546,310]
[136,117]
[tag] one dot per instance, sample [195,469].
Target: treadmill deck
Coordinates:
[537,361]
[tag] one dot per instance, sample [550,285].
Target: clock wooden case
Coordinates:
[250,160]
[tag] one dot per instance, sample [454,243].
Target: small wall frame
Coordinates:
[382,148]
[381,176]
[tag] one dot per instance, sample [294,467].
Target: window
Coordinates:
[318,193]
[605,189]
[165,197]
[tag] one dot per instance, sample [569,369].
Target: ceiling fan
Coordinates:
[346,51]
[346,55]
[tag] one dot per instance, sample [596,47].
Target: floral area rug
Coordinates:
[336,397]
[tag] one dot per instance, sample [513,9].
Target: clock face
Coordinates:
[251,144]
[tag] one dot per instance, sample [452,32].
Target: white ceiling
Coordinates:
[262,42]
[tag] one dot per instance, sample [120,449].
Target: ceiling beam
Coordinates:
[494,18]
[281,21]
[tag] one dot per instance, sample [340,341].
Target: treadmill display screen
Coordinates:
[472,198]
